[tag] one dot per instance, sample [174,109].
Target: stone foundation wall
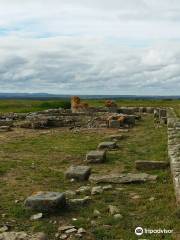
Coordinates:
[173,127]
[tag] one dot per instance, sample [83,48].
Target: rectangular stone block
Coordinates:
[96,156]
[79,173]
[114,124]
[151,165]
[46,201]
[107,146]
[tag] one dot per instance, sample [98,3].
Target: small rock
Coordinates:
[4,229]
[64,228]
[136,197]
[70,193]
[84,189]
[96,190]
[36,216]
[78,235]
[57,235]
[106,226]
[72,230]
[81,231]
[107,187]
[151,199]
[113,210]
[96,213]
[63,236]
[119,189]
[93,223]
[118,216]
[80,201]
[41,236]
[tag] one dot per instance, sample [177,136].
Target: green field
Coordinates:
[35,160]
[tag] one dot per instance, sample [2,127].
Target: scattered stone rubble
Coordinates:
[22,236]
[81,115]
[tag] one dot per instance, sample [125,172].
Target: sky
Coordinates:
[90,46]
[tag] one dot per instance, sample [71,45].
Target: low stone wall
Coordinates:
[173,126]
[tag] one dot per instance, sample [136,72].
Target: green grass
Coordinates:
[37,161]
[24,106]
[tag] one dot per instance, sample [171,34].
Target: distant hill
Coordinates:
[62,96]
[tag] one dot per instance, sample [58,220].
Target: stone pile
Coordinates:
[54,201]
[22,236]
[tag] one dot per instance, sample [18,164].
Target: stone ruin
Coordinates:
[80,115]
[109,116]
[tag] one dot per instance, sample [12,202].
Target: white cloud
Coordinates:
[102,46]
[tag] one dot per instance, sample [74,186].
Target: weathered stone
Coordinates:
[81,230]
[151,165]
[107,146]
[36,216]
[118,216]
[46,201]
[142,109]
[114,124]
[65,228]
[22,236]
[113,209]
[70,194]
[149,109]
[63,236]
[79,173]
[79,201]
[4,228]
[163,120]
[130,120]
[116,137]
[107,187]
[96,213]
[123,178]
[5,128]
[84,189]
[96,156]
[96,190]
[72,230]
[162,112]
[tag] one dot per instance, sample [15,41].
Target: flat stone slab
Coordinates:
[96,156]
[151,165]
[114,124]
[22,236]
[5,128]
[79,173]
[123,178]
[107,146]
[46,201]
